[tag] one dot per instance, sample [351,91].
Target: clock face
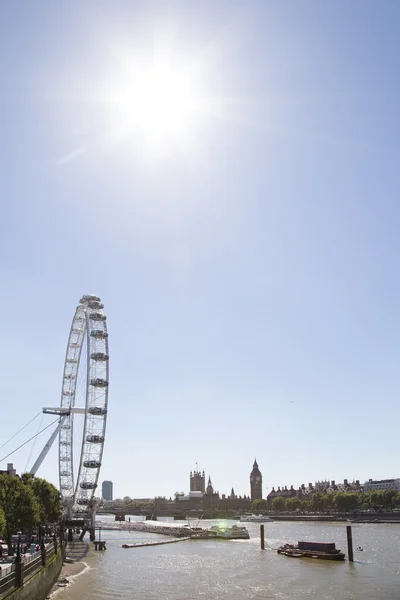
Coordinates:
[251,478]
[257,479]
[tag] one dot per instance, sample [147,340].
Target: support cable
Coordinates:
[27,441]
[22,428]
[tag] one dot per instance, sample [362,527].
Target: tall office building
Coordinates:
[107,490]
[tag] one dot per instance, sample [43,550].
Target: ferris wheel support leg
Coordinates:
[93,518]
[69,511]
[47,447]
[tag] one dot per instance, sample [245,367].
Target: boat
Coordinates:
[322,550]
[223,531]
[229,532]
[255,519]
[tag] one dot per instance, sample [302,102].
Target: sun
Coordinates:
[156,103]
[145,96]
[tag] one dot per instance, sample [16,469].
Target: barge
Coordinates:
[322,550]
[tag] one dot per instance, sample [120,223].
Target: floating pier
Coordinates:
[150,527]
[234,532]
[155,543]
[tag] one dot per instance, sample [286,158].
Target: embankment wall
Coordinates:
[39,586]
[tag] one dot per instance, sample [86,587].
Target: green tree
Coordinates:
[292,504]
[305,505]
[346,501]
[2,522]
[396,500]
[327,502]
[375,498]
[48,499]
[279,504]
[259,505]
[316,501]
[365,501]
[20,507]
[387,496]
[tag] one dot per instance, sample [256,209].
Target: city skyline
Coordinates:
[224,175]
[316,483]
[240,488]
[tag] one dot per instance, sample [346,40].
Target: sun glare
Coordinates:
[157,104]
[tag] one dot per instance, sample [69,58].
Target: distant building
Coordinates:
[306,492]
[322,486]
[160,504]
[211,498]
[10,470]
[207,499]
[234,502]
[382,484]
[107,490]
[255,483]
[283,492]
[353,487]
[197,481]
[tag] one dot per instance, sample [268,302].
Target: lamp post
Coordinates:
[43,551]
[18,564]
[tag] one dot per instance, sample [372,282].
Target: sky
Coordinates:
[224,175]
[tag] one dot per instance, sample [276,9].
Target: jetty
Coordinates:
[223,531]
[155,543]
[162,528]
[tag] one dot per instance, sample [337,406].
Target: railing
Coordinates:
[13,575]
[7,584]
[26,559]
[6,570]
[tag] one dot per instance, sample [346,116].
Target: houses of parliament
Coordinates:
[206,499]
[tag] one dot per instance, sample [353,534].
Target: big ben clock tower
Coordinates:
[255,482]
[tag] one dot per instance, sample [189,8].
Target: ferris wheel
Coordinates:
[88,335]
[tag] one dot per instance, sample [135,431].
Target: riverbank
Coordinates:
[77,553]
[393,518]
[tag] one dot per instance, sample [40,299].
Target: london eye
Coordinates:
[87,362]
[82,412]
[85,381]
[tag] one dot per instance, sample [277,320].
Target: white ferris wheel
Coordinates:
[86,379]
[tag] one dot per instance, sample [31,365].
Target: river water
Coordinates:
[237,570]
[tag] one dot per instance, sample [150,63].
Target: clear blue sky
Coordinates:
[245,241]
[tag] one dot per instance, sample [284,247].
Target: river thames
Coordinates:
[237,570]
